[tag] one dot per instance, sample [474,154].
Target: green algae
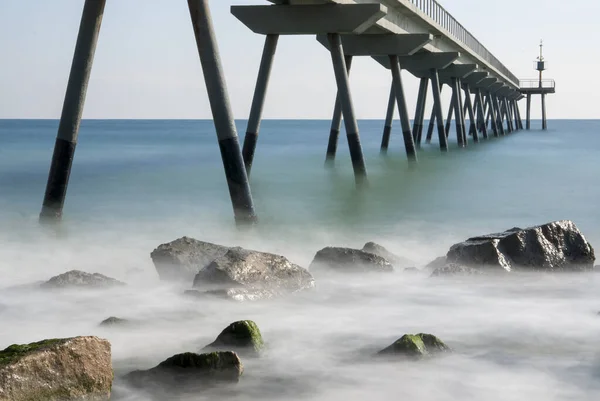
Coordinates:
[17,351]
[415,346]
[241,335]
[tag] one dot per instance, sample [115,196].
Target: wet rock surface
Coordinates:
[182,259]
[67,369]
[252,275]
[556,246]
[415,346]
[455,269]
[189,372]
[80,279]
[395,260]
[243,337]
[349,260]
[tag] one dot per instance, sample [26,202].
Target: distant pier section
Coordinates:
[540,86]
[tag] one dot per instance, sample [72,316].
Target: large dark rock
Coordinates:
[182,259]
[349,260]
[66,369]
[242,337]
[263,275]
[556,246]
[415,346]
[189,372]
[397,261]
[79,279]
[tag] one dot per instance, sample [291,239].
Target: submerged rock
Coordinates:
[182,259]
[189,372]
[349,260]
[415,346]
[80,279]
[66,369]
[260,274]
[394,259]
[454,269]
[243,337]
[554,246]
[115,321]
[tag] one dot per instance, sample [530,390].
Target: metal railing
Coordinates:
[535,83]
[436,12]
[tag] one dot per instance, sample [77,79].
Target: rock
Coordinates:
[114,321]
[454,269]
[349,260]
[242,337]
[415,346]
[66,369]
[554,246]
[437,263]
[394,259]
[79,279]
[233,294]
[182,259]
[189,372]
[261,275]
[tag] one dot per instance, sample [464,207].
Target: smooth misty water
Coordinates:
[136,184]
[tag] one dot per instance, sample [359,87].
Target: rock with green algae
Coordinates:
[243,337]
[189,372]
[65,369]
[415,346]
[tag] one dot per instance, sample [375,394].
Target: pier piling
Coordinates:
[341,77]
[231,153]
[437,107]
[258,101]
[70,120]
[409,142]
[336,121]
[389,120]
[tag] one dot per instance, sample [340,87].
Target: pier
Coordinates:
[418,36]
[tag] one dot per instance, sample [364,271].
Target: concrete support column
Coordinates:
[472,121]
[409,143]
[460,136]
[433,118]
[520,120]
[528,112]
[420,111]
[509,115]
[544,123]
[233,162]
[437,111]
[336,120]
[450,113]
[70,119]
[498,115]
[258,101]
[461,102]
[389,121]
[341,77]
[492,114]
[481,114]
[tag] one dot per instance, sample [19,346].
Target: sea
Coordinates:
[138,183]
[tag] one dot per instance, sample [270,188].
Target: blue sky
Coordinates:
[147,66]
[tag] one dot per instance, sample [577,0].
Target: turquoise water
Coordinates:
[136,184]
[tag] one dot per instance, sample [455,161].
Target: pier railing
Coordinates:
[535,83]
[442,17]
